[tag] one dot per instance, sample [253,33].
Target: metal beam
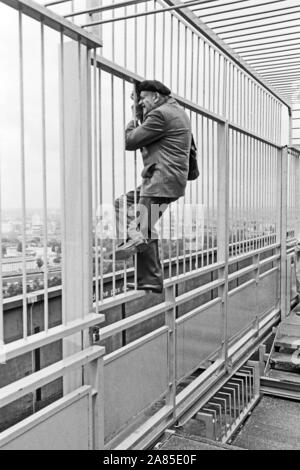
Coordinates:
[252,20]
[266,43]
[281,73]
[260,32]
[280,66]
[268,60]
[262,39]
[263,26]
[283,82]
[238,9]
[235,9]
[246,55]
[287,66]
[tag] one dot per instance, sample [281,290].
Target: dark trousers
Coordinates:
[139,225]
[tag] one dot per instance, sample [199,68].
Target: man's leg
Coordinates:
[149,269]
[125,213]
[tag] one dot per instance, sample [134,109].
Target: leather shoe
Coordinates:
[157,289]
[128,249]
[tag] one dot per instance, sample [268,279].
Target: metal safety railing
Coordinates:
[223,267]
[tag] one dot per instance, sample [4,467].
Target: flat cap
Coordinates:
[153,85]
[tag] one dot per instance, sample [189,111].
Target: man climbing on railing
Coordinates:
[164,136]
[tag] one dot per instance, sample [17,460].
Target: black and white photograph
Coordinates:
[150,228]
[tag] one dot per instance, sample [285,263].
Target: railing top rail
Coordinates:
[294,150]
[54,21]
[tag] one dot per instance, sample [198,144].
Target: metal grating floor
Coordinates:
[273,425]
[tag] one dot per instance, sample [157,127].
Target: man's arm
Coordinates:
[152,129]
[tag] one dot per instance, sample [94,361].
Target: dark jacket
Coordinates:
[164,138]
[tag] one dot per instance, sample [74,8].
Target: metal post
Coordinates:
[76,196]
[297,197]
[95,378]
[223,226]
[170,319]
[283,155]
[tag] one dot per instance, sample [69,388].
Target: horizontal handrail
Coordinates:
[21,387]
[38,340]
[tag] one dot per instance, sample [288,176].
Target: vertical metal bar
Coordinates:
[197,198]
[62,170]
[178,54]
[257,193]
[95,172]
[244,189]
[100,175]
[113,175]
[135,39]
[191,219]
[197,69]
[1,278]
[271,180]
[163,47]
[124,188]
[183,235]
[145,41]
[223,228]
[202,188]
[268,191]
[171,51]
[125,41]
[135,193]
[185,62]
[170,241]
[213,191]
[283,263]
[204,75]
[240,159]
[231,85]
[238,96]
[170,321]
[177,237]
[192,68]
[215,84]
[247,188]
[162,233]
[266,198]
[23,192]
[80,86]
[113,36]
[297,197]
[45,223]
[209,77]
[154,41]
[208,156]
[234,192]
